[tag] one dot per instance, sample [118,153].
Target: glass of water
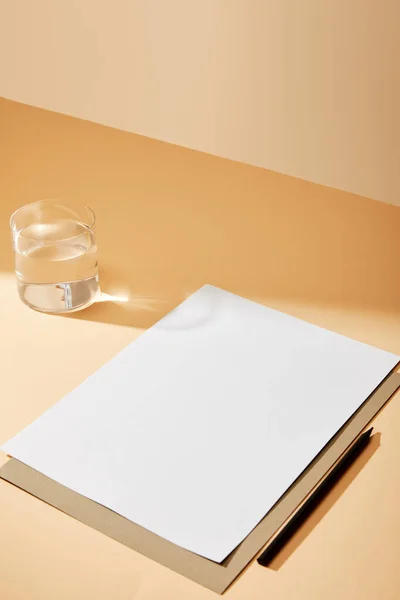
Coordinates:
[55,256]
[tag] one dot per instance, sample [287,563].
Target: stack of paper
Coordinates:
[196,429]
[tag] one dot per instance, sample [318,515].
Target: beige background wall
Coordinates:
[304,87]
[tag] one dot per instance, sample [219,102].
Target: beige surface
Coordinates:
[310,88]
[169,220]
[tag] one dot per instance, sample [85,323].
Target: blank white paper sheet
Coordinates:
[197,428]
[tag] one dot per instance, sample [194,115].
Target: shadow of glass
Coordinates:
[326,504]
[119,309]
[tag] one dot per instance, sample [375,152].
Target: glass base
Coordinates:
[66,297]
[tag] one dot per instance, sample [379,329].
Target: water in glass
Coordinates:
[56,263]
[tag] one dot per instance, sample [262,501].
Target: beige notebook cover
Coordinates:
[212,575]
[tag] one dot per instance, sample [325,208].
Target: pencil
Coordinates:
[310,504]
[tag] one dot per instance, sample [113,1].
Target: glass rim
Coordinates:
[14,230]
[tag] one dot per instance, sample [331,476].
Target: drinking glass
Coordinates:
[55,256]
